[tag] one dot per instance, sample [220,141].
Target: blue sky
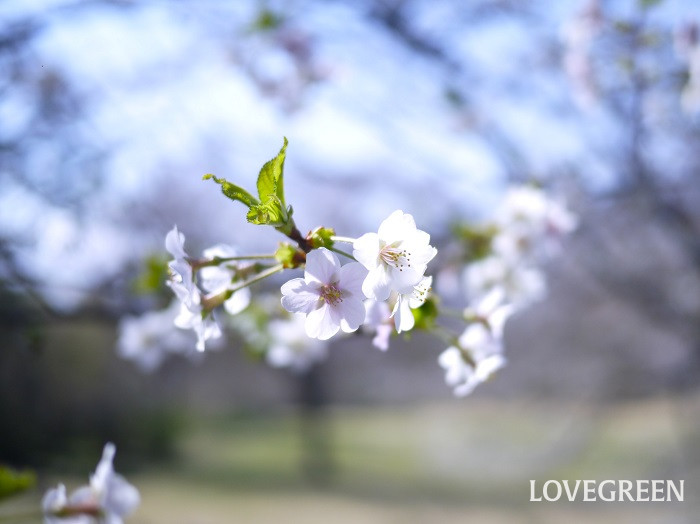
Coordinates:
[167,91]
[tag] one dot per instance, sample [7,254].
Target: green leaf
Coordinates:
[267,20]
[426,315]
[233,191]
[152,275]
[271,177]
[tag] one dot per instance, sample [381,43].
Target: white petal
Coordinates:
[420,293]
[491,301]
[121,498]
[175,243]
[187,318]
[320,323]
[376,313]
[489,366]
[104,470]
[238,301]
[396,227]
[299,296]
[366,250]
[351,277]
[465,389]
[497,319]
[219,250]
[54,499]
[381,339]
[206,328]
[421,255]
[406,279]
[403,318]
[215,280]
[351,312]
[377,284]
[322,266]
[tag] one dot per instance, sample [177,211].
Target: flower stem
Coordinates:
[341,252]
[209,303]
[455,313]
[347,240]
[197,264]
[445,335]
[260,276]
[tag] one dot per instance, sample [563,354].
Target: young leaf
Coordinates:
[270,212]
[233,191]
[271,177]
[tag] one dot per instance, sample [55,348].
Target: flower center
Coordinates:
[393,256]
[331,294]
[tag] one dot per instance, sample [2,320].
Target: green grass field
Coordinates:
[462,461]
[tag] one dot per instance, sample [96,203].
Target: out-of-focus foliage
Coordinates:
[13,482]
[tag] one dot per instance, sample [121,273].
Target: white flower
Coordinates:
[291,347]
[108,497]
[329,295]
[521,285]
[203,324]
[478,356]
[396,256]
[378,319]
[531,224]
[218,279]
[181,279]
[412,299]
[149,338]
[492,310]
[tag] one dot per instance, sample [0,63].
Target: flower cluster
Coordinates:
[527,229]
[218,281]
[382,287]
[108,498]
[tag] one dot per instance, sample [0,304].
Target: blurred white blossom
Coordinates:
[378,320]
[521,285]
[290,346]
[107,499]
[149,338]
[181,278]
[479,355]
[218,279]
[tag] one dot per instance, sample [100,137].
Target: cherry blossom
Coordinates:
[396,256]
[149,338]
[330,295]
[291,347]
[413,298]
[108,497]
[378,319]
[479,355]
[218,279]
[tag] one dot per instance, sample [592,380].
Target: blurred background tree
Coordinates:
[110,112]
